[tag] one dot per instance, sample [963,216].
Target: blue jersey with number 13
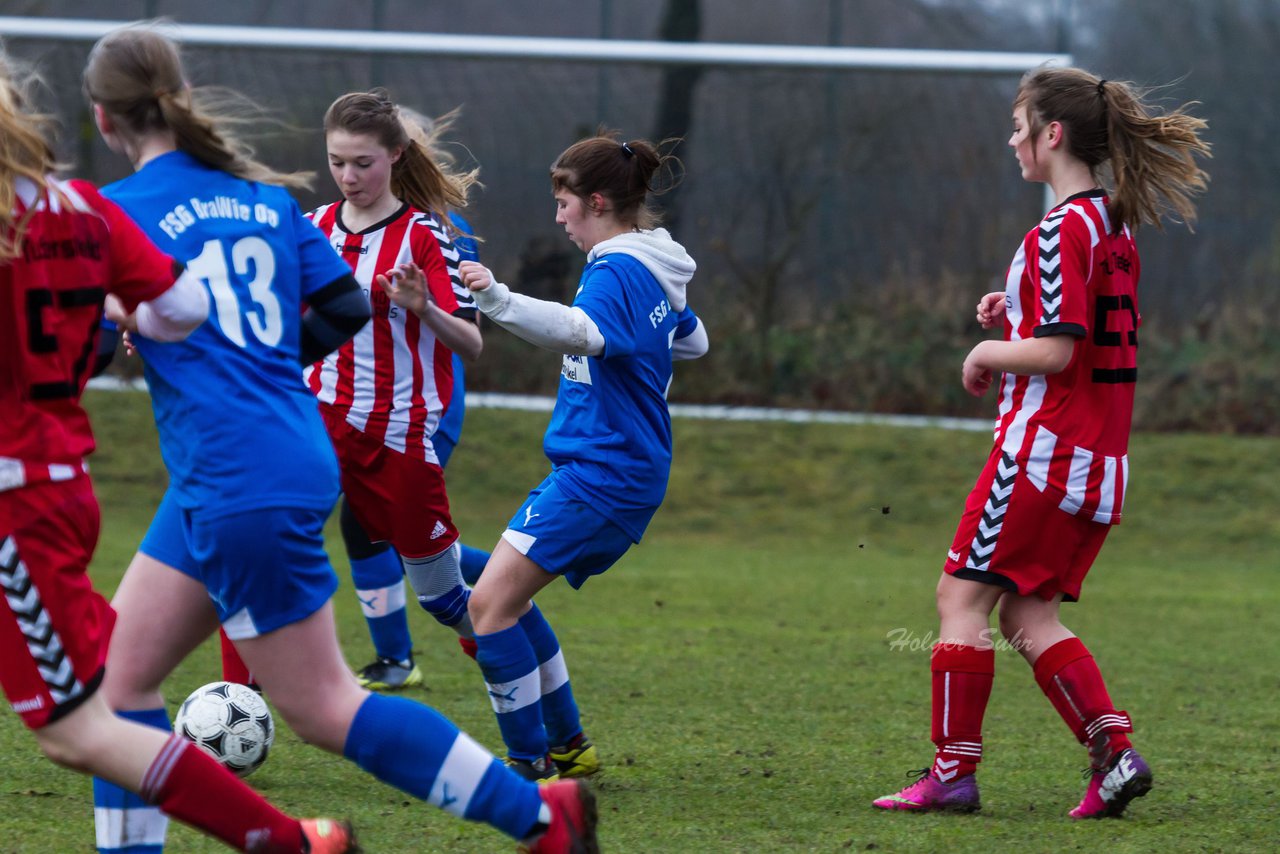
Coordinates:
[238,429]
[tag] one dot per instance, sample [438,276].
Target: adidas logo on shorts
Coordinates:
[439,530]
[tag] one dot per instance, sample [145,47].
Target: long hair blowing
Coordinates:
[1112,127]
[136,75]
[25,152]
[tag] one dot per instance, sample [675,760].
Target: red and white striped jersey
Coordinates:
[1074,275]
[78,247]
[394,378]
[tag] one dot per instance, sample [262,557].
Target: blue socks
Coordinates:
[379,583]
[473,561]
[559,711]
[510,669]
[419,751]
[125,823]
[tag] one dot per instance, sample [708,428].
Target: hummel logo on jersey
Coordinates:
[439,530]
[28,705]
[354,249]
[953,556]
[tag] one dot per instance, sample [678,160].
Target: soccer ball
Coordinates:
[231,723]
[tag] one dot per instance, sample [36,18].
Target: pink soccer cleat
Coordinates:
[929,794]
[1111,790]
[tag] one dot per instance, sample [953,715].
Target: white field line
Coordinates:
[534,403]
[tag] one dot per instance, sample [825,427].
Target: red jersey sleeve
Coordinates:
[1061,275]
[139,270]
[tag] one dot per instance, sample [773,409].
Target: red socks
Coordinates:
[233,667]
[191,786]
[1069,677]
[962,677]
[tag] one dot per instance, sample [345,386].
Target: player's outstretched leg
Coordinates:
[403,743]
[174,776]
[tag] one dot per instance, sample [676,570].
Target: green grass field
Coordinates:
[737,668]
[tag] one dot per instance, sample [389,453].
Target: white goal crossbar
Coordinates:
[558,49]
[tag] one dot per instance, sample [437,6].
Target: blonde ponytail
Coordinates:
[24,153]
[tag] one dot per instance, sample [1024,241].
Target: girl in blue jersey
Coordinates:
[609,440]
[237,540]
[68,253]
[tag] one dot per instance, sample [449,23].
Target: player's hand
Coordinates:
[406,286]
[130,349]
[976,379]
[475,276]
[991,309]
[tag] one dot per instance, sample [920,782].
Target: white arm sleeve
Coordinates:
[176,313]
[557,327]
[692,346]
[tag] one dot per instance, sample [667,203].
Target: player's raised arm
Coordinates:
[555,326]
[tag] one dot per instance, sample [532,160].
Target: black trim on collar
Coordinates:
[337,218]
[1095,193]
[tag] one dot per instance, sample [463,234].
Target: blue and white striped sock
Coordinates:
[559,710]
[419,751]
[125,823]
[379,583]
[510,669]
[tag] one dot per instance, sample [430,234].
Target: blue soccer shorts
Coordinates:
[264,568]
[565,536]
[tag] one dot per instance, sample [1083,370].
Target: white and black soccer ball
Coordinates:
[231,723]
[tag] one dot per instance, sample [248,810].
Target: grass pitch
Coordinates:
[757,670]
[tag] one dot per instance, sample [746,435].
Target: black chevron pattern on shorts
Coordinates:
[43,642]
[992,521]
[1050,262]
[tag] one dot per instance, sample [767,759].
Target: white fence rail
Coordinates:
[555,49]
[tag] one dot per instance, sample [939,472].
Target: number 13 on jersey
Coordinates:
[253,265]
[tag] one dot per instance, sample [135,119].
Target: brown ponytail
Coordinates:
[1150,155]
[135,74]
[622,172]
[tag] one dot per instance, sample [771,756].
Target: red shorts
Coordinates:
[395,498]
[54,627]
[1014,535]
